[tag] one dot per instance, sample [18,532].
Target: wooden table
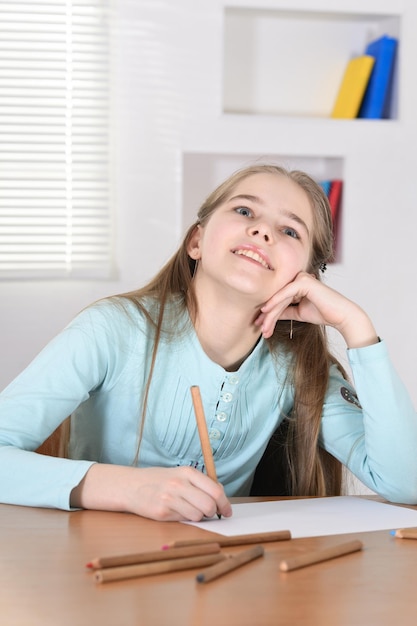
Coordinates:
[43,579]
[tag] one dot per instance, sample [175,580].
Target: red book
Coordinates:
[335,195]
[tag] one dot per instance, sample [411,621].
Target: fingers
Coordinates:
[183,493]
[267,321]
[317,304]
[274,310]
[292,293]
[281,306]
[210,495]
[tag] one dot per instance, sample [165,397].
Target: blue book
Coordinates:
[325,185]
[376,101]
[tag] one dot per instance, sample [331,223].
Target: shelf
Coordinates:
[291,63]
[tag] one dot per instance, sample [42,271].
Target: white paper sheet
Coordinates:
[312,517]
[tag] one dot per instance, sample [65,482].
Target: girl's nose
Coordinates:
[261,231]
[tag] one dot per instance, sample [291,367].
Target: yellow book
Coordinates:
[353,87]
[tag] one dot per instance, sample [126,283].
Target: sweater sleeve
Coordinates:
[76,363]
[373,430]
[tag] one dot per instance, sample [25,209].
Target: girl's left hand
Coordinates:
[316,303]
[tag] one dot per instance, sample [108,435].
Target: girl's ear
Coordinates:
[193,246]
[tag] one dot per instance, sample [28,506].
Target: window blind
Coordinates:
[54,139]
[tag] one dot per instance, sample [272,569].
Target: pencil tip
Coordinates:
[165,547]
[219,516]
[90,565]
[392,532]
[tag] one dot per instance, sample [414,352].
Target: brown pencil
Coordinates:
[202,431]
[229,564]
[159,567]
[406,533]
[203,434]
[236,540]
[302,560]
[155,555]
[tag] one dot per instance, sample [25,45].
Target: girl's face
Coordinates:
[258,240]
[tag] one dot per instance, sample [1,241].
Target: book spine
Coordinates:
[376,100]
[335,196]
[352,88]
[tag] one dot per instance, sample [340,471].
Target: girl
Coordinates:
[240,311]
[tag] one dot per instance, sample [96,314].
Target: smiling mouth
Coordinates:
[251,254]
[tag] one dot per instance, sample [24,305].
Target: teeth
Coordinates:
[253,255]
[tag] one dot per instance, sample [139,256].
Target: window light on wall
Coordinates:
[54,139]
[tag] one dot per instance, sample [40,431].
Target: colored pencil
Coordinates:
[202,431]
[152,556]
[406,533]
[236,540]
[110,574]
[310,558]
[203,434]
[229,564]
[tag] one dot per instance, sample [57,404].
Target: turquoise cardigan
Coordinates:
[96,369]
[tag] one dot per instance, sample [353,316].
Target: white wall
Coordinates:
[168,69]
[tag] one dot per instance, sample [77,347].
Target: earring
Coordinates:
[291,329]
[323,267]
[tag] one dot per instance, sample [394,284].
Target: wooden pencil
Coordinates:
[151,556]
[236,540]
[310,558]
[203,433]
[110,574]
[229,564]
[406,533]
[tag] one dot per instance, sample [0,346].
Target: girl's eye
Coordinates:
[291,232]
[242,210]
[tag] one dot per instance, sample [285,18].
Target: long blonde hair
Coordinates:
[312,471]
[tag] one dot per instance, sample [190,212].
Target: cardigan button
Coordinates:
[221,416]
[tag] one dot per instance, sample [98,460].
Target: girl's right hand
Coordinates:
[164,494]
